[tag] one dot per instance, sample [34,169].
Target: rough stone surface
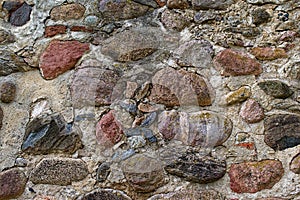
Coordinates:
[7,92]
[197,169]
[260,16]
[174,20]
[51,31]
[1,117]
[6,37]
[233,63]
[114,10]
[251,111]
[268,53]
[67,12]
[106,194]
[130,45]
[178,4]
[143,173]
[66,52]
[12,183]
[295,164]
[109,130]
[238,95]
[21,16]
[251,177]
[11,63]
[207,4]
[59,171]
[179,88]
[48,134]
[276,88]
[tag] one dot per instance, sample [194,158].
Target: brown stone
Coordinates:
[177,4]
[12,183]
[6,37]
[295,164]
[61,56]
[251,111]
[81,29]
[7,92]
[67,12]
[251,177]
[267,53]
[51,31]
[233,63]
[1,117]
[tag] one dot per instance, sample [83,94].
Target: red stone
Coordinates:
[81,29]
[61,56]
[267,53]
[108,130]
[51,31]
[233,63]
[251,177]
[247,145]
[251,111]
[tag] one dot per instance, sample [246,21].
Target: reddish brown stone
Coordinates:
[295,164]
[1,117]
[251,111]
[81,29]
[12,183]
[251,177]
[108,130]
[267,53]
[161,3]
[51,31]
[67,12]
[233,63]
[61,56]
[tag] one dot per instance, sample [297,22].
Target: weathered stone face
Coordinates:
[276,88]
[207,4]
[295,164]
[11,63]
[67,12]
[251,111]
[268,53]
[105,195]
[7,92]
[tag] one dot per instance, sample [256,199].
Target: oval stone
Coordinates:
[295,164]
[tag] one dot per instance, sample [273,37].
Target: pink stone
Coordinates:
[108,130]
[61,56]
[251,177]
[251,111]
[233,63]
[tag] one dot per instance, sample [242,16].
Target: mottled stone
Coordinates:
[191,194]
[21,16]
[6,37]
[51,31]
[251,177]
[199,169]
[178,4]
[295,164]
[238,95]
[179,88]
[93,86]
[12,183]
[7,92]
[288,36]
[249,32]
[195,53]
[61,56]
[208,4]
[149,107]
[129,105]
[276,89]
[105,194]
[103,171]
[260,16]
[151,3]
[268,53]
[67,12]
[121,9]
[251,111]
[1,117]
[59,171]
[108,130]
[49,134]
[130,45]
[143,173]
[174,20]
[11,63]
[233,63]
[204,16]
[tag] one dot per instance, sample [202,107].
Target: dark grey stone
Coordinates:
[276,89]
[21,16]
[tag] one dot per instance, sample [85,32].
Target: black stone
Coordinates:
[276,89]
[103,171]
[21,16]
[195,168]
[1,117]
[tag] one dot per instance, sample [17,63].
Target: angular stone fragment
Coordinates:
[251,111]
[276,89]
[7,92]
[267,53]
[233,63]
[61,56]
[260,16]
[93,86]
[51,31]
[59,171]
[197,169]
[109,130]
[130,45]
[11,63]
[143,173]
[195,53]
[178,4]
[49,134]
[6,37]
[174,20]
[12,183]
[251,177]
[208,4]
[21,16]
[67,12]
[105,194]
[282,131]
[238,95]
[179,88]
[203,128]
[114,10]
[295,164]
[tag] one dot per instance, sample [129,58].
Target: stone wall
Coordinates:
[150,99]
